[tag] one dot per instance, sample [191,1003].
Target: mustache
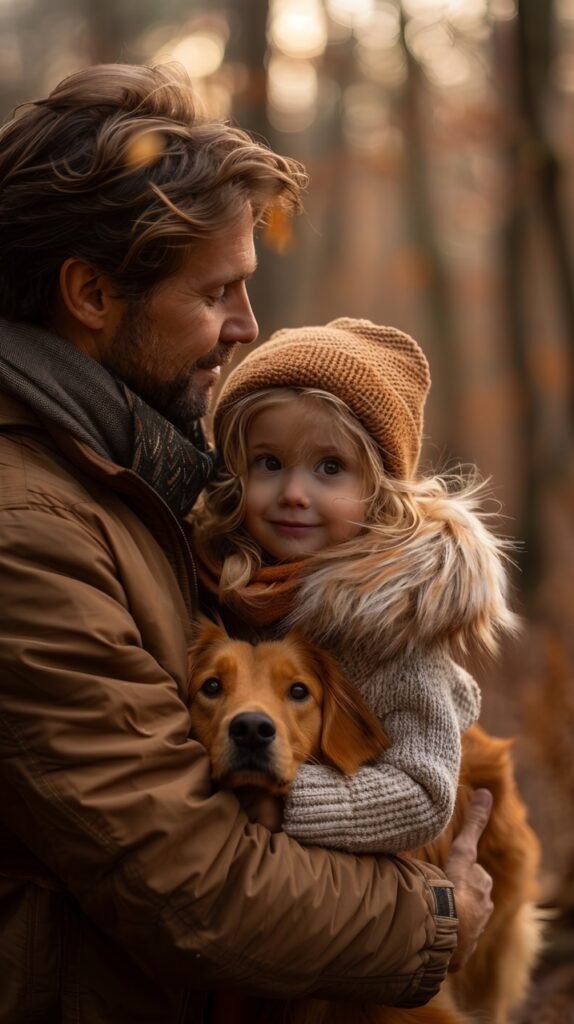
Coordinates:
[219,356]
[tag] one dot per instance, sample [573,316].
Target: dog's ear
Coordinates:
[351,735]
[205,634]
[203,624]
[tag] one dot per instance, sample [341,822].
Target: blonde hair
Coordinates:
[395,509]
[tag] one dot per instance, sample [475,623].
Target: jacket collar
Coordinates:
[68,390]
[147,504]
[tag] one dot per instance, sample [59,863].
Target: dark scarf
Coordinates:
[70,390]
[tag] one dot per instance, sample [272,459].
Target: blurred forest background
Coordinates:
[439,138]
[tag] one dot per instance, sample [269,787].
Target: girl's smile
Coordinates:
[304,488]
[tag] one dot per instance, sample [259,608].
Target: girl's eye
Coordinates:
[268,462]
[211,687]
[332,466]
[298,691]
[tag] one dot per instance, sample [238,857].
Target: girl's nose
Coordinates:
[294,491]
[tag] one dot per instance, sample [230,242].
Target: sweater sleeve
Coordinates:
[407,797]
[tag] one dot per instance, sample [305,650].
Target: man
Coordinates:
[127,884]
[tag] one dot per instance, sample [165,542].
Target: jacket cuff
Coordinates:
[441,945]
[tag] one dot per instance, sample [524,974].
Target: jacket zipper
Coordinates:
[187,572]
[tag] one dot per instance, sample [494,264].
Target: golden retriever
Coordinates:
[263,710]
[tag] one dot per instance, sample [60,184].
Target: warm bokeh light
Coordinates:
[448,68]
[387,67]
[154,39]
[381,29]
[425,8]
[291,93]
[351,13]
[563,73]
[217,99]
[564,11]
[426,37]
[298,28]
[365,117]
[11,61]
[378,55]
[66,63]
[468,15]
[502,10]
[201,53]
[463,15]
[234,77]
[433,45]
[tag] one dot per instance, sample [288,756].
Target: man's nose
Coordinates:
[240,327]
[250,326]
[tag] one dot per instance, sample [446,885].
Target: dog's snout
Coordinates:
[252,729]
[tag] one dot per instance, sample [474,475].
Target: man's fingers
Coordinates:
[476,819]
[472,884]
[485,883]
[480,808]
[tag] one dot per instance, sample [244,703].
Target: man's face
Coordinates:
[169,348]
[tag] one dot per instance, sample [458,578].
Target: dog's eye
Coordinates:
[298,691]
[211,687]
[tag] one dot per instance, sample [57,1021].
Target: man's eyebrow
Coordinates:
[223,282]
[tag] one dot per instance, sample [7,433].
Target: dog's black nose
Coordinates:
[252,729]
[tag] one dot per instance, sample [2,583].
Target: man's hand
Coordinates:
[261,807]
[472,884]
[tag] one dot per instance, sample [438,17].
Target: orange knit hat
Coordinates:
[380,373]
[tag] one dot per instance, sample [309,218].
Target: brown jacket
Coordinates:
[127,885]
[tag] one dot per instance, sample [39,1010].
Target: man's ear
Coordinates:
[351,735]
[88,296]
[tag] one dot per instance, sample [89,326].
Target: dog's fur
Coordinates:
[333,725]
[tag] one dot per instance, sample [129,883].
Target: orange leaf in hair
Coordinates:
[278,232]
[144,148]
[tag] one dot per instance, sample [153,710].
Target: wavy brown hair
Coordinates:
[119,167]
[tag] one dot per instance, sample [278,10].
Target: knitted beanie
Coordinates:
[380,373]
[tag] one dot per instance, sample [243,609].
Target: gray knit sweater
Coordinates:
[424,701]
[392,619]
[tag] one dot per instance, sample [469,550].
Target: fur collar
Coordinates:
[444,583]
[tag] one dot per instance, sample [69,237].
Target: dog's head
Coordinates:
[261,711]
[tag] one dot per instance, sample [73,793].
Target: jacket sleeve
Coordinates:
[407,797]
[100,780]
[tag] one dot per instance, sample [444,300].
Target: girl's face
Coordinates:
[304,489]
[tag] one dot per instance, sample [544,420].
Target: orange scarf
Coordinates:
[267,598]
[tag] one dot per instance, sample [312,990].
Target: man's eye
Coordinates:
[331,466]
[211,687]
[298,691]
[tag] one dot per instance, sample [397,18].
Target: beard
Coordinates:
[134,356]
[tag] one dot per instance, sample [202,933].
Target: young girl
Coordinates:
[319,521]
